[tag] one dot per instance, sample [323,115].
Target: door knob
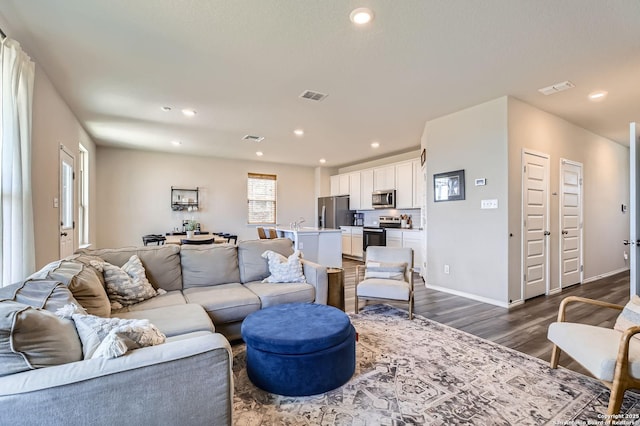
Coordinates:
[565,232]
[625,242]
[547,233]
[63,234]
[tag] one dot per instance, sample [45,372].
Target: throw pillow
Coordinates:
[630,315]
[34,338]
[43,294]
[386,270]
[111,337]
[284,269]
[127,285]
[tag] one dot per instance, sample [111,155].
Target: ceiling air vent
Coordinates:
[313,96]
[555,88]
[253,138]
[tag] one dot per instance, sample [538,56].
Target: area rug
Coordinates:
[421,372]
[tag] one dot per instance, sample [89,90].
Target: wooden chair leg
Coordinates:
[555,357]
[357,305]
[411,306]
[615,400]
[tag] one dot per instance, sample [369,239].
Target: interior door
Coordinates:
[634,205]
[535,208]
[67,223]
[570,223]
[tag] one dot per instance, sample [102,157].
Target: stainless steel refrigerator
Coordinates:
[334,212]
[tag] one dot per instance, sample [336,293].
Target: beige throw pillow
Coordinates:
[385,270]
[34,338]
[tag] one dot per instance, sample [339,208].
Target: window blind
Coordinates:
[261,198]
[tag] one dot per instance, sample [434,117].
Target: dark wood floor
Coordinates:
[523,328]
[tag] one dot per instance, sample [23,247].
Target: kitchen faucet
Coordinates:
[296,224]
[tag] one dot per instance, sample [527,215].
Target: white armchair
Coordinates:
[388,275]
[611,356]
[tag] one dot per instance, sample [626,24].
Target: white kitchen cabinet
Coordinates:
[366,188]
[343,183]
[356,242]
[346,240]
[384,178]
[418,185]
[414,240]
[355,199]
[394,238]
[404,185]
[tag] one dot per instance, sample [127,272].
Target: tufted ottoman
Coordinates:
[299,349]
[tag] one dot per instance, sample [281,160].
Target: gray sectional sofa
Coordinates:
[188,379]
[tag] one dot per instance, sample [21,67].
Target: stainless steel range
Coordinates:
[377,236]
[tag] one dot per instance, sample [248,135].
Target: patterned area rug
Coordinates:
[421,372]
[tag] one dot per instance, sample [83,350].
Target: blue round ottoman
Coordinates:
[299,349]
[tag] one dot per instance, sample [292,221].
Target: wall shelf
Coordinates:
[185,199]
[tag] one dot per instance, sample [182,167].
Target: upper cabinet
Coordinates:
[384,178]
[406,177]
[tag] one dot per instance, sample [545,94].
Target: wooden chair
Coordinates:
[261,233]
[381,289]
[273,233]
[610,355]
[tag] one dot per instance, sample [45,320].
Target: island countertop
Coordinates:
[320,245]
[307,230]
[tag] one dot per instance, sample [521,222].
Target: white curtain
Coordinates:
[17,250]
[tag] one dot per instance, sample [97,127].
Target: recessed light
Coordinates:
[189,112]
[375,145]
[361,16]
[259,153]
[598,95]
[166,108]
[298,132]
[322,161]
[176,143]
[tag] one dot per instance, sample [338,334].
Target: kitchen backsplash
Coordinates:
[371,216]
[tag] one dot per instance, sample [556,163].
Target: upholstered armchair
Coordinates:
[610,355]
[386,275]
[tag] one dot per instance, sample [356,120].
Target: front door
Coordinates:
[67,223]
[535,208]
[634,207]
[570,223]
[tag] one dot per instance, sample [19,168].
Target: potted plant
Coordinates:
[190,227]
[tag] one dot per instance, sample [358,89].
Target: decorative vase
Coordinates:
[189,234]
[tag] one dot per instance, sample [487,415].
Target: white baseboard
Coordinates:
[554,291]
[468,295]
[516,303]
[605,275]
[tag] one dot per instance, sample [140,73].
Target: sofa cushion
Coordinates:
[253,267]
[44,294]
[225,302]
[630,316]
[162,263]
[170,298]
[386,270]
[209,265]
[276,294]
[174,320]
[83,281]
[35,338]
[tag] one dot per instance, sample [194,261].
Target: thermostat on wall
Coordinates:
[481,182]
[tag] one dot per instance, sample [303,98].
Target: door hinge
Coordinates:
[524,277]
[73,175]
[580,181]
[74,224]
[525,169]
[581,268]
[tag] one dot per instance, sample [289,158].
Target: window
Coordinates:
[261,198]
[83,198]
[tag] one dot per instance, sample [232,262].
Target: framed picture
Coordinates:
[423,157]
[448,186]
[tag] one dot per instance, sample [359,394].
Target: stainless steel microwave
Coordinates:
[384,199]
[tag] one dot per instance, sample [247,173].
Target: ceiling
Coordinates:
[242,65]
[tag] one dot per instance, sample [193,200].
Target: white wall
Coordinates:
[135,189]
[473,242]
[605,188]
[54,124]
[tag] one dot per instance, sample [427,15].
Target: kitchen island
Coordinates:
[320,245]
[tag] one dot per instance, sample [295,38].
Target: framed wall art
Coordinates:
[448,186]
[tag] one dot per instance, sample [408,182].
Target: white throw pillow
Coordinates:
[111,337]
[283,269]
[386,270]
[127,285]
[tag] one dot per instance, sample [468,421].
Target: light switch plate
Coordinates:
[489,204]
